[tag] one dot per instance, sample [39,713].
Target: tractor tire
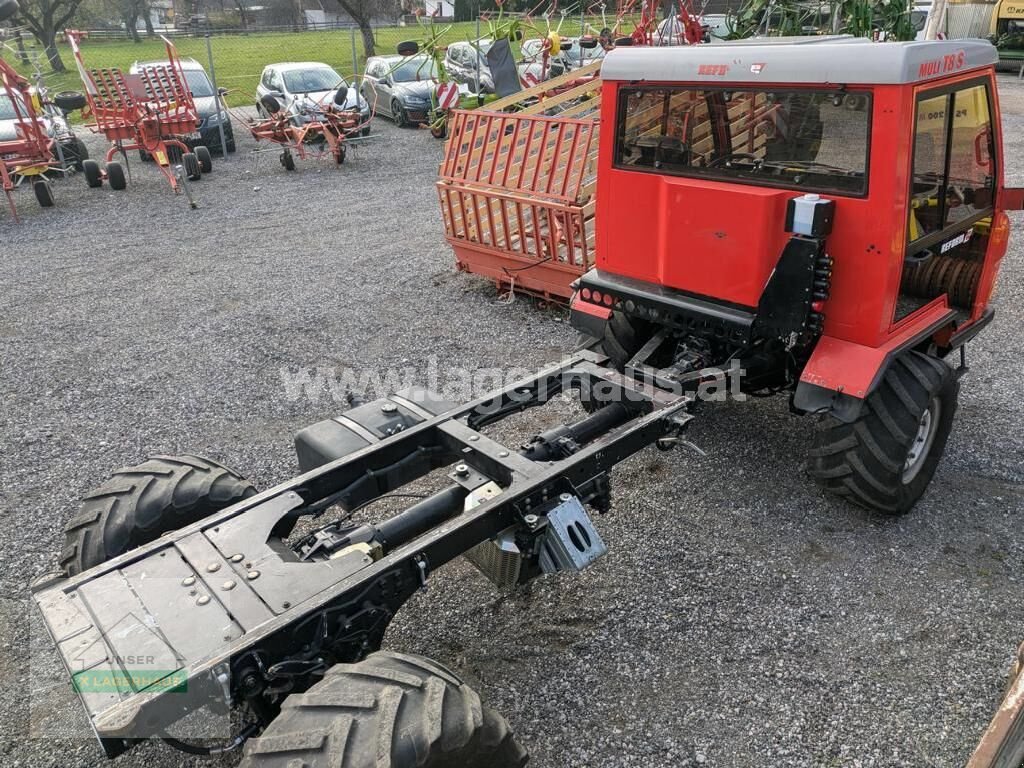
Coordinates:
[190,163]
[93,173]
[623,337]
[339,156]
[287,160]
[115,176]
[138,504]
[388,711]
[44,193]
[885,459]
[204,158]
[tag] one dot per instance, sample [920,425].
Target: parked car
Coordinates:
[301,86]
[466,63]
[212,114]
[572,55]
[67,145]
[400,87]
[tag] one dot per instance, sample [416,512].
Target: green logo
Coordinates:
[130,680]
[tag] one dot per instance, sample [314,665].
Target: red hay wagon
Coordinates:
[151,111]
[517,190]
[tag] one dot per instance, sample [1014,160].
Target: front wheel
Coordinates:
[115,175]
[205,158]
[93,173]
[44,193]
[190,164]
[398,113]
[138,504]
[390,710]
[885,459]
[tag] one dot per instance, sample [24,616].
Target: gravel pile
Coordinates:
[740,618]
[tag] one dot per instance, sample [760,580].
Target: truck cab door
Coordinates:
[954,180]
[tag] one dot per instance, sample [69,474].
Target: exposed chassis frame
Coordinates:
[366,593]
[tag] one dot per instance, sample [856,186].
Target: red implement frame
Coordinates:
[30,154]
[517,190]
[151,111]
[325,133]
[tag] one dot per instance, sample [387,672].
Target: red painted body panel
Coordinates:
[721,240]
[845,366]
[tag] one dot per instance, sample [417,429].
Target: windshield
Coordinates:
[411,70]
[796,139]
[6,107]
[312,80]
[198,83]
[583,56]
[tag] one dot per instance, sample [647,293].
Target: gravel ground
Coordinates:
[740,618]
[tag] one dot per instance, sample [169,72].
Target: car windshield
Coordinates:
[411,70]
[807,140]
[198,83]
[312,80]
[7,108]
[582,56]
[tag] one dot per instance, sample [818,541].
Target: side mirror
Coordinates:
[276,94]
[386,80]
[222,91]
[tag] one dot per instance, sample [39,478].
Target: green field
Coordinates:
[239,59]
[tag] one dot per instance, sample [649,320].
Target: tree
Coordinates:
[363,12]
[45,18]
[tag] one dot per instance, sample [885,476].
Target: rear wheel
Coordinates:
[115,175]
[138,504]
[390,710]
[623,338]
[885,459]
[44,193]
[93,173]
[205,158]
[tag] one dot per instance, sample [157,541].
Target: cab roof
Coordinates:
[834,60]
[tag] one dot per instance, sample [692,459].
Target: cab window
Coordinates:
[798,139]
[953,176]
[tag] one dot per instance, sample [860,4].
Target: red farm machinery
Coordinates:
[517,189]
[30,153]
[749,227]
[151,111]
[311,129]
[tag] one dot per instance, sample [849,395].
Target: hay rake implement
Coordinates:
[308,130]
[151,111]
[30,154]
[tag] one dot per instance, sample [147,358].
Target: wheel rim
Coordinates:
[927,428]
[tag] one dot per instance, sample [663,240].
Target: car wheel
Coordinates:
[398,114]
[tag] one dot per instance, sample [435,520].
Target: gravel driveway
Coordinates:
[740,618]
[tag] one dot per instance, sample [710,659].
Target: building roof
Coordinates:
[836,60]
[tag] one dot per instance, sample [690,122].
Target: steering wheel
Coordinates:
[724,159]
